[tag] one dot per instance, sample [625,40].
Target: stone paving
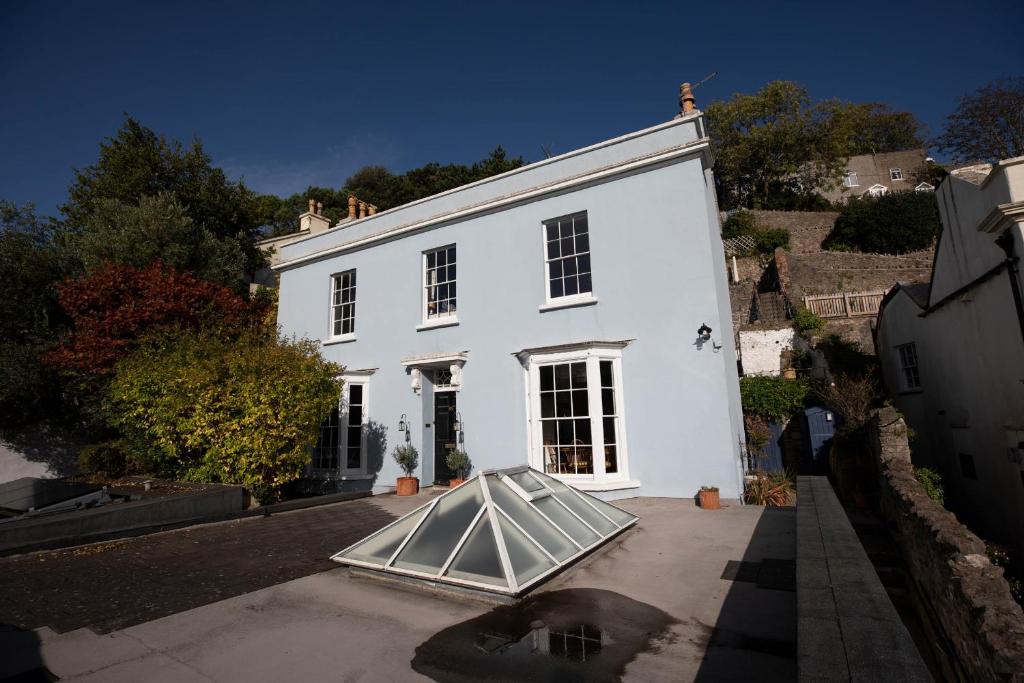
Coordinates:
[113,585]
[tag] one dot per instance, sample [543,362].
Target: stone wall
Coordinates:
[833,271]
[807,229]
[967,596]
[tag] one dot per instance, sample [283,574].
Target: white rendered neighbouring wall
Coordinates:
[761,350]
[657,276]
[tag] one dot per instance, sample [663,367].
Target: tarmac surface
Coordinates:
[687,594]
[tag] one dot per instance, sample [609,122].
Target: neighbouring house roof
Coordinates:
[503,531]
[918,291]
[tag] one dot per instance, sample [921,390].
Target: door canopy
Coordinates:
[503,531]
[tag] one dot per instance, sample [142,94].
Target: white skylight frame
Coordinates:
[493,512]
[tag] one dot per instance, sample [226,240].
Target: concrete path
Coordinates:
[333,626]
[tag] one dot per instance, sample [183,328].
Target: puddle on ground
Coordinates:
[579,634]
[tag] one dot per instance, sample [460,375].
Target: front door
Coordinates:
[444,434]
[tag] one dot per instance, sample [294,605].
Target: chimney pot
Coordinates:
[686,99]
[372,209]
[312,205]
[362,209]
[319,208]
[351,207]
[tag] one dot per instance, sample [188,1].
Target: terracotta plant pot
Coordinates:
[709,500]
[789,373]
[455,483]
[407,486]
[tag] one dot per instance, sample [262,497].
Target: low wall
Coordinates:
[761,349]
[82,526]
[965,594]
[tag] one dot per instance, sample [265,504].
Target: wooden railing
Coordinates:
[844,305]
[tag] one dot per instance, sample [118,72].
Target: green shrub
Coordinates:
[241,411]
[808,323]
[894,223]
[932,483]
[766,240]
[407,458]
[458,462]
[110,458]
[772,398]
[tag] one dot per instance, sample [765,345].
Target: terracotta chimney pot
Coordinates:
[686,99]
[372,209]
[351,207]
[362,209]
[319,208]
[312,206]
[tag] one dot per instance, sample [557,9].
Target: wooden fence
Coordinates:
[844,305]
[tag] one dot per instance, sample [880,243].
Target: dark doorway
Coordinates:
[444,434]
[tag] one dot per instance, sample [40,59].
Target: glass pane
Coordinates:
[566,522]
[555,269]
[478,559]
[435,540]
[582,435]
[609,430]
[579,224]
[552,230]
[608,401]
[587,513]
[585,284]
[584,263]
[571,286]
[611,460]
[526,559]
[565,228]
[553,250]
[526,482]
[563,403]
[562,376]
[606,373]
[569,266]
[547,405]
[354,459]
[379,548]
[579,375]
[531,520]
[618,516]
[582,243]
[556,289]
[579,402]
[547,378]
[442,257]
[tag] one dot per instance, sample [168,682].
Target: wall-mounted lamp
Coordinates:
[457,425]
[704,332]
[403,425]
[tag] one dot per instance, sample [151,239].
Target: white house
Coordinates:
[572,314]
[952,351]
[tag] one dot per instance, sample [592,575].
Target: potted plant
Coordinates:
[708,496]
[407,458]
[458,462]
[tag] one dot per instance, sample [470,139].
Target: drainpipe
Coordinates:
[1005,242]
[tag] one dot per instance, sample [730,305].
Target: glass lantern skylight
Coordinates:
[502,531]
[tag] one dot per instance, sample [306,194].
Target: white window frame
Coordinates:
[903,352]
[592,355]
[850,179]
[896,173]
[440,320]
[924,187]
[877,190]
[566,300]
[333,308]
[343,470]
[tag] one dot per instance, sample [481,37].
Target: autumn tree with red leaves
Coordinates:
[114,308]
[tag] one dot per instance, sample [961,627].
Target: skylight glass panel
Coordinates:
[502,531]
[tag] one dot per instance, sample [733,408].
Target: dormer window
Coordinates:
[895,174]
[850,179]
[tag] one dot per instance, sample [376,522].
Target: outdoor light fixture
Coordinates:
[457,425]
[704,332]
[403,426]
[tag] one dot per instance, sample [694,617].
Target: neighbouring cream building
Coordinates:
[873,175]
[572,314]
[952,350]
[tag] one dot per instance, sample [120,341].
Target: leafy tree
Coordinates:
[772,398]
[776,149]
[31,261]
[988,125]
[138,163]
[206,408]
[157,229]
[895,223]
[279,216]
[115,308]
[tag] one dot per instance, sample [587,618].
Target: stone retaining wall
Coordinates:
[966,595]
[807,229]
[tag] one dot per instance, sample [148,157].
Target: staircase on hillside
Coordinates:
[769,307]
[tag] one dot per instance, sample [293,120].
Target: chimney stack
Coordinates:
[352,207]
[313,220]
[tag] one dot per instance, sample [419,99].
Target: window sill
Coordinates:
[344,339]
[568,302]
[450,321]
[606,485]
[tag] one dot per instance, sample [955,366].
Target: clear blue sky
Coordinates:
[295,93]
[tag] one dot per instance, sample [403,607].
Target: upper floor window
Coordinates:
[439,299]
[895,174]
[908,366]
[567,256]
[850,179]
[343,304]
